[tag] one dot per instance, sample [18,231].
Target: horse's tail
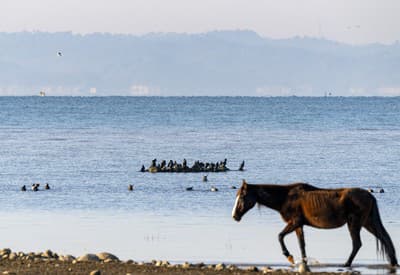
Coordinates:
[384,243]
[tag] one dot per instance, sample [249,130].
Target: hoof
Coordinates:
[303,268]
[290,259]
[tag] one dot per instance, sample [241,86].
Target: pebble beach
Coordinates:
[49,262]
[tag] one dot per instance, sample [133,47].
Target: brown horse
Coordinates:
[302,204]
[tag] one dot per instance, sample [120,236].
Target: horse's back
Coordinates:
[329,208]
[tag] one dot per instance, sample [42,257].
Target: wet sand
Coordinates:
[21,263]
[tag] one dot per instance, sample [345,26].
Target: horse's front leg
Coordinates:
[290,227]
[302,244]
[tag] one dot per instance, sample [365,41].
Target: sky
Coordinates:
[348,21]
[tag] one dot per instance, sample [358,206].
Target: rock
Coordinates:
[88,257]
[47,254]
[267,269]
[9,272]
[12,256]
[186,265]
[165,263]
[66,258]
[107,256]
[220,267]
[5,256]
[5,251]
[232,267]
[252,268]
[162,263]
[95,272]
[157,263]
[130,261]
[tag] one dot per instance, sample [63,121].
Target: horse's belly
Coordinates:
[326,219]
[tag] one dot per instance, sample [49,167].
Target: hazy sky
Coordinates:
[360,21]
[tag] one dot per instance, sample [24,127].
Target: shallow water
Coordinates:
[90,149]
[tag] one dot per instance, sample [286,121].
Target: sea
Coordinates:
[90,149]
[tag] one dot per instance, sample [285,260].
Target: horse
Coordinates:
[302,204]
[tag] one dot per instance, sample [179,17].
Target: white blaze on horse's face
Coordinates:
[235,207]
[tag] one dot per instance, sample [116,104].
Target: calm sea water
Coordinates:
[90,149]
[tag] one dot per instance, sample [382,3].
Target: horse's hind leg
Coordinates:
[354,226]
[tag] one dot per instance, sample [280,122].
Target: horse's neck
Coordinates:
[272,196]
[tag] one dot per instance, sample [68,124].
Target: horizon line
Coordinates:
[83,34]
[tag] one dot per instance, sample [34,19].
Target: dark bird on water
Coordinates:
[23,188]
[241,168]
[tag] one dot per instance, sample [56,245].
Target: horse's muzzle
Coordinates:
[236,218]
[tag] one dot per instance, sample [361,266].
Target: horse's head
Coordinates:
[245,200]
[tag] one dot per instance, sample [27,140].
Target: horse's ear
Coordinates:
[244,183]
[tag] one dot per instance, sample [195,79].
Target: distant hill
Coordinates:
[214,63]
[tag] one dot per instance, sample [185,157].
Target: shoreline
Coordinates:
[49,262]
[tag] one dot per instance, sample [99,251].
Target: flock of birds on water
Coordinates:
[197,167]
[35,187]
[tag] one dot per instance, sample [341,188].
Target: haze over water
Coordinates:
[90,149]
